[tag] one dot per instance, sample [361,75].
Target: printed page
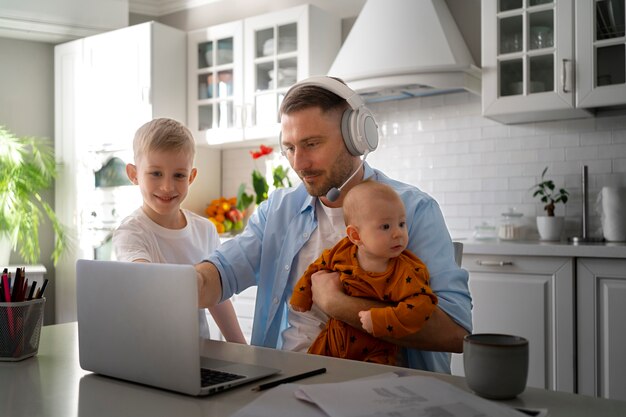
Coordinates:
[412,396]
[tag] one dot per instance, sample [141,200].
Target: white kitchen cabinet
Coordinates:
[106,86]
[600,52]
[215,85]
[529,66]
[601,295]
[271,52]
[532,297]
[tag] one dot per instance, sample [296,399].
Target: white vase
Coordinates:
[5,251]
[550,227]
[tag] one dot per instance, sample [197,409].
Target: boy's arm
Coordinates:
[226,319]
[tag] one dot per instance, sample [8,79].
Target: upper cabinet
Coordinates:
[239,72]
[546,60]
[528,60]
[600,48]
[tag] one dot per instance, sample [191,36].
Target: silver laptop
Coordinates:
[139,322]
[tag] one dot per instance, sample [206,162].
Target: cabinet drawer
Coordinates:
[512,264]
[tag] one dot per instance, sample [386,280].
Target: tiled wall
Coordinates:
[477,168]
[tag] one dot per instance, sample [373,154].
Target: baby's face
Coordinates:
[382,228]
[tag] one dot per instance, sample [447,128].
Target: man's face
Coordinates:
[312,142]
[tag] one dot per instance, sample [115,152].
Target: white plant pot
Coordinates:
[550,227]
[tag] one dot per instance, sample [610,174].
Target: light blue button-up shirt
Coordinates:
[264,253]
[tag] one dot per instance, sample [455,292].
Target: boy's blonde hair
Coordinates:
[360,194]
[163,135]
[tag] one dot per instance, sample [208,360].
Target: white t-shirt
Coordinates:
[305,326]
[138,237]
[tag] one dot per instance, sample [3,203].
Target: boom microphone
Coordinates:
[333,194]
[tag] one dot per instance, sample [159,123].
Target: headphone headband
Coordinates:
[328,83]
[358,127]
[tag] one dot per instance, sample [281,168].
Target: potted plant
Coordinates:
[549,226]
[27,167]
[246,202]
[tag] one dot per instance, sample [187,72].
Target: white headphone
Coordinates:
[358,127]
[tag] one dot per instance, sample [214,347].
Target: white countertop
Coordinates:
[540,248]
[52,384]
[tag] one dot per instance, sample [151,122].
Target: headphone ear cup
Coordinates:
[348,133]
[367,130]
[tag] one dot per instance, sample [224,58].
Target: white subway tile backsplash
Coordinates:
[613,151]
[581,153]
[477,168]
[595,138]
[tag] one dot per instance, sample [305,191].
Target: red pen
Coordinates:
[7,297]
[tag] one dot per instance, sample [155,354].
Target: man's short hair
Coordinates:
[307,96]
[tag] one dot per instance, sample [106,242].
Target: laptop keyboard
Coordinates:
[212,377]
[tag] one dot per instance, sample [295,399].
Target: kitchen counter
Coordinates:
[539,248]
[52,384]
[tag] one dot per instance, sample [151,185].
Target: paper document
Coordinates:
[411,396]
[385,395]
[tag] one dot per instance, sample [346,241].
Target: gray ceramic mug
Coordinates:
[496,365]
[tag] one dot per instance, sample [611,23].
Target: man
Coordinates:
[290,230]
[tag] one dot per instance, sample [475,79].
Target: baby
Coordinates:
[373,263]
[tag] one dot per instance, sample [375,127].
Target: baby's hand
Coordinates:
[366,320]
[298,308]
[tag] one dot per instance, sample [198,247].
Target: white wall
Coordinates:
[27,109]
[477,168]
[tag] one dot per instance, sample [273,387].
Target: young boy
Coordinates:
[160,231]
[373,263]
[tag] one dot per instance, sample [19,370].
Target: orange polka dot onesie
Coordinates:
[405,283]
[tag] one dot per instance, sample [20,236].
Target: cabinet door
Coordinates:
[528,61]
[601,295]
[532,298]
[215,61]
[274,43]
[280,49]
[601,52]
[116,89]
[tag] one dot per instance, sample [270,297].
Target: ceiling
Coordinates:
[156,8]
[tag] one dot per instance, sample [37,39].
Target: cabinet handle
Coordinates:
[566,82]
[494,263]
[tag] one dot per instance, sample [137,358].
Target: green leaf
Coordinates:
[260,186]
[243,199]
[27,167]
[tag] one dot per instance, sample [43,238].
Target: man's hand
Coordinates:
[327,290]
[366,321]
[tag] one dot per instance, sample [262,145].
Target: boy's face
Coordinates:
[382,228]
[164,178]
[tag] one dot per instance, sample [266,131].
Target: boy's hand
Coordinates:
[366,321]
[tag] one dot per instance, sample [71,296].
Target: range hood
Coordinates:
[405,48]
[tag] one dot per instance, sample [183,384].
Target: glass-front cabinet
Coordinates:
[240,71]
[215,82]
[600,48]
[528,60]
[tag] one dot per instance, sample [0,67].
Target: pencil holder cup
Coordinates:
[20,327]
